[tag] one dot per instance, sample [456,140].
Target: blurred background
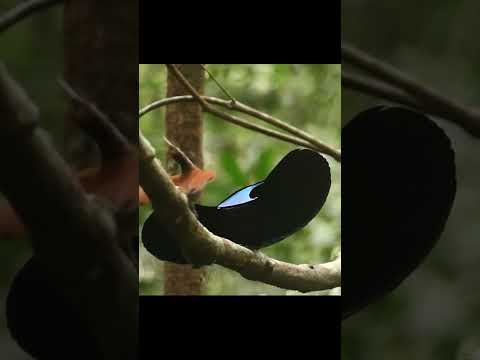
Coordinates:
[435,313]
[307,96]
[32,51]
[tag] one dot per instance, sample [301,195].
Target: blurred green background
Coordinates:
[435,313]
[305,95]
[32,51]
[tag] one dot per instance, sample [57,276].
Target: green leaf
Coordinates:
[230,165]
[262,167]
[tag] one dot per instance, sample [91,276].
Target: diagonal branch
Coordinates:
[376,88]
[301,138]
[205,248]
[80,251]
[23,10]
[240,107]
[108,137]
[466,117]
[220,86]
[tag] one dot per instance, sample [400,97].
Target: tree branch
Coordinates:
[220,86]
[79,247]
[375,88]
[238,106]
[466,117]
[108,137]
[204,248]
[23,10]
[301,138]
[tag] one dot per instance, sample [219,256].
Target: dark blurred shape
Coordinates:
[398,187]
[41,320]
[258,215]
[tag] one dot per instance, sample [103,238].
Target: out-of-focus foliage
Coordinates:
[32,52]
[307,96]
[435,313]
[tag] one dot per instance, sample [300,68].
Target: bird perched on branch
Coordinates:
[398,187]
[260,214]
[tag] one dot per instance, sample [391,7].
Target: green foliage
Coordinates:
[230,165]
[307,96]
[32,52]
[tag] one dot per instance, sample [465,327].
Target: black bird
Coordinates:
[398,187]
[258,215]
[42,321]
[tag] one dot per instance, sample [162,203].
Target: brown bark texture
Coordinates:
[184,127]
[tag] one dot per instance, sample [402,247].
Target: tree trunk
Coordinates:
[184,127]
[101,62]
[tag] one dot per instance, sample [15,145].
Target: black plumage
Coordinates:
[398,187]
[258,215]
[43,322]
